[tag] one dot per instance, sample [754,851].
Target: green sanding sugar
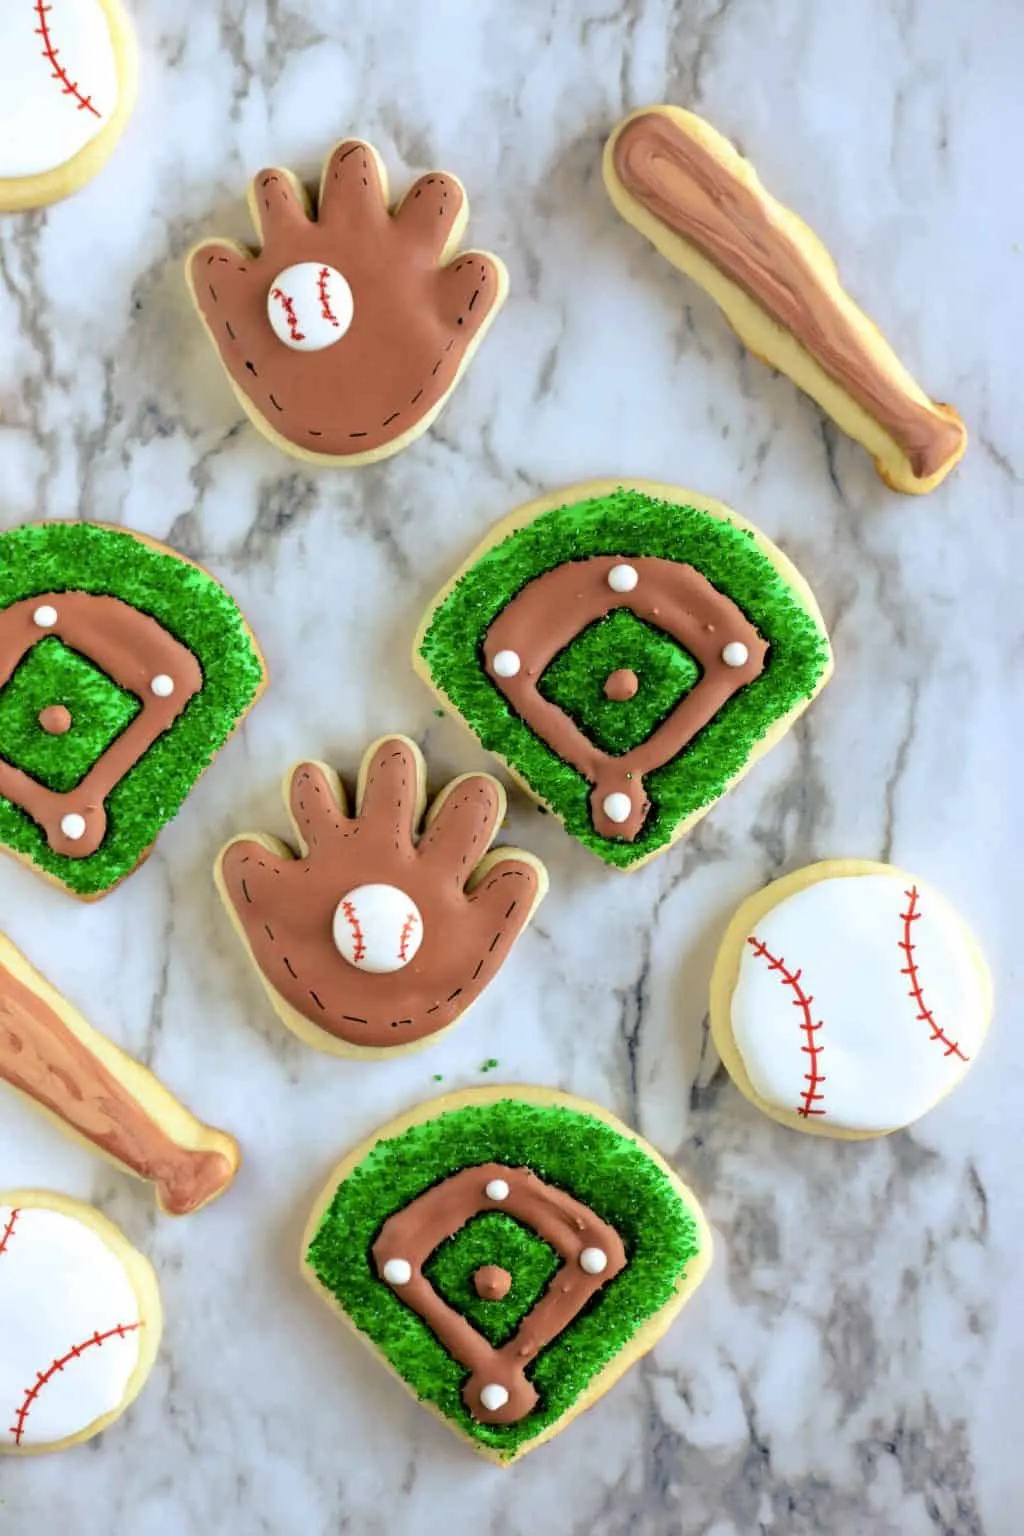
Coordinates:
[579,1153]
[192,606]
[628,523]
[493,1238]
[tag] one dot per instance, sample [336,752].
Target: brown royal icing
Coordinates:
[491,1282]
[44,1059]
[131,648]
[569,1226]
[548,612]
[688,188]
[412,323]
[286,906]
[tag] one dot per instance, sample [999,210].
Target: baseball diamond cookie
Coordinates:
[630,650]
[51,1055]
[682,185]
[67,89]
[508,1253]
[80,1321]
[848,998]
[124,668]
[378,936]
[344,336]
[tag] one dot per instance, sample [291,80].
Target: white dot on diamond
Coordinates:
[496,1189]
[45,616]
[73,826]
[594,1261]
[493,1396]
[162,685]
[617,806]
[398,1271]
[506,664]
[622,578]
[735,654]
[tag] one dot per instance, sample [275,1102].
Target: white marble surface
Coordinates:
[852,1365]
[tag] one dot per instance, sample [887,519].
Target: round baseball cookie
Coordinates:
[67,89]
[630,650]
[80,1321]
[508,1253]
[344,336]
[380,934]
[124,668]
[848,998]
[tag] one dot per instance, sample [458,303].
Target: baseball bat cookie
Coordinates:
[60,1063]
[378,936]
[344,336]
[124,668]
[67,89]
[682,185]
[848,998]
[630,650]
[80,1321]
[508,1253]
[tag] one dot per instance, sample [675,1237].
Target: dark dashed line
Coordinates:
[318,1002]
[353,1018]
[245,893]
[269,932]
[394,417]
[494,943]
[213,293]
[476,295]
[227,327]
[252,369]
[511,909]
[415,397]
[291,969]
[274,402]
[476,973]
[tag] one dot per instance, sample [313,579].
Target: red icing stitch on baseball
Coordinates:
[801,1000]
[925,1015]
[325,303]
[74,1353]
[358,938]
[406,934]
[51,55]
[288,305]
[8,1231]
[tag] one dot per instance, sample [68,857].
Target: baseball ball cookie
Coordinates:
[848,998]
[80,1321]
[51,1055]
[123,670]
[344,336]
[685,187]
[508,1253]
[379,935]
[67,89]
[630,650]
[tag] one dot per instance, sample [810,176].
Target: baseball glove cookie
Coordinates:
[630,650]
[80,1321]
[67,88]
[848,999]
[377,936]
[508,1252]
[123,670]
[683,185]
[344,336]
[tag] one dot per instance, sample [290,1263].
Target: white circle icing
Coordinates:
[835,1020]
[73,825]
[309,306]
[377,928]
[58,82]
[68,1315]
[496,1189]
[493,1396]
[623,578]
[45,616]
[593,1261]
[735,654]
[506,664]
[398,1271]
[162,685]
[617,806]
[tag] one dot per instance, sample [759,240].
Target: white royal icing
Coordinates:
[506,664]
[496,1189]
[735,654]
[162,685]
[45,616]
[493,1396]
[309,306]
[398,1271]
[73,825]
[593,1261]
[623,578]
[872,1065]
[377,928]
[58,82]
[617,806]
[61,1290]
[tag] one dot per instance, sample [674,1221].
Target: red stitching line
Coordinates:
[801,1000]
[325,303]
[51,55]
[925,1015]
[8,1231]
[288,304]
[18,1427]
[406,935]
[357,933]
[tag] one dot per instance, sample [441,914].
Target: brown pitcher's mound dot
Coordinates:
[55,719]
[492,1283]
[621,685]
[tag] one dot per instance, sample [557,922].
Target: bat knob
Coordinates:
[194,1179]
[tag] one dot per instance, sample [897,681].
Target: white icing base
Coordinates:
[880,1068]
[43,123]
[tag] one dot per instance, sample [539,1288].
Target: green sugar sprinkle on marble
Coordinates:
[625,523]
[575,1151]
[192,606]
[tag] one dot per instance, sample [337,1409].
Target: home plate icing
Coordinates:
[58,82]
[860,1002]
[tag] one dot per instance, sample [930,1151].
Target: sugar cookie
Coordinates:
[80,1321]
[848,998]
[508,1253]
[67,89]
[123,670]
[684,187]
[344,336]
[378,937]
[630,650]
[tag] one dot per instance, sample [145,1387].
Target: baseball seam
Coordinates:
[809,1028]
[8,1232]
[406,935]
[287,303]
[52,57]
[44,1377]
[358,938]
[911,971]
[325,303]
